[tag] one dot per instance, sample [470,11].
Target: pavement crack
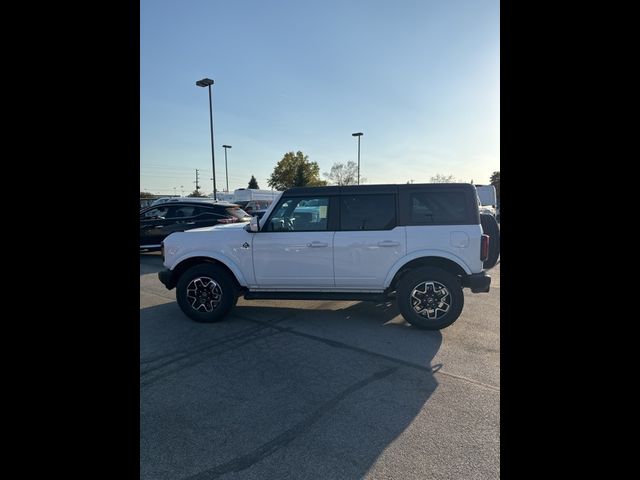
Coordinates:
[337,344]
[246,461]
[470,380]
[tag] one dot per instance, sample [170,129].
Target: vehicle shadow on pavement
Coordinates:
[279,392]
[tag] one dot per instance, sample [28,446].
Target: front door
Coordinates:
[295,247]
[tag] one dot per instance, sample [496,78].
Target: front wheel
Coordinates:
[430,298]
[206,293]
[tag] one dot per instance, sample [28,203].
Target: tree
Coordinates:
[443,179]
[147,195]
[342,174]
[196,193]
[300,179]
[253,183]
[495,181]
[295,170]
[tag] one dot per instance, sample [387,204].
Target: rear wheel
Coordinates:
[430,298]
[206,293]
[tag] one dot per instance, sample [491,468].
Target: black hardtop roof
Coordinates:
[372,189]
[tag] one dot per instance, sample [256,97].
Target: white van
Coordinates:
[251,199]
[488,199]
[183,199]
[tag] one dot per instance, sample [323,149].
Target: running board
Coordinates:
[349,296]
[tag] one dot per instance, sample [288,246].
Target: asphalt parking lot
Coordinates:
[317,390]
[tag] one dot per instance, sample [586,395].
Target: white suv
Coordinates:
[417,243]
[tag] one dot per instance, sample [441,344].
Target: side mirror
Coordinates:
[254,226]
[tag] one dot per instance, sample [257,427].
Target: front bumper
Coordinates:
[165,278]
[478,282]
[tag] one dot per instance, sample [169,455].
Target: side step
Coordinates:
[352,296]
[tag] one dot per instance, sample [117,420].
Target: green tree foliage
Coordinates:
[253,183]
[196,193]
[495,181]
[342,174]
[300,179]
[147,195]
[443,179]
[295,170]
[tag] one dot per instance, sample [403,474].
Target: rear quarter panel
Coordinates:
[459,243]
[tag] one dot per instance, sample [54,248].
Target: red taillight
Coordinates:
[484,247]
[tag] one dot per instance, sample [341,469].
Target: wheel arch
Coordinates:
[185,264]
[434,260]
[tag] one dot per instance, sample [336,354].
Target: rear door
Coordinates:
[206,216]
[181,218]
[369,241]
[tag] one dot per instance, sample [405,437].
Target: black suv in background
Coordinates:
[177,216]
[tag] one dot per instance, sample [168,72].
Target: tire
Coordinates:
[198,281]
[490,227]
[417,281]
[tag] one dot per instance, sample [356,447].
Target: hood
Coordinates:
[230,226]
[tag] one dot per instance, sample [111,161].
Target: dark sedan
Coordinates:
[177,216]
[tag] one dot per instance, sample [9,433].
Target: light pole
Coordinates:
[226,171]
[359,134]
[207,82]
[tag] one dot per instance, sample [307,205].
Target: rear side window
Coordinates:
[229,214]
[368,212]
[184,211]
[438,208]
[236,212]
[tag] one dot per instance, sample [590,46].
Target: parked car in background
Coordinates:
[253,205]
[158,221]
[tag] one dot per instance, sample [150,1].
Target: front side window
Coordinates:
[368,212]
[300,214]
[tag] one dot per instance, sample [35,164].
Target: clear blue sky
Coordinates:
[420,79]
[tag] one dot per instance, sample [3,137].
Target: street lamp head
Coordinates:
[226,146]
[205,82]
[359,134]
